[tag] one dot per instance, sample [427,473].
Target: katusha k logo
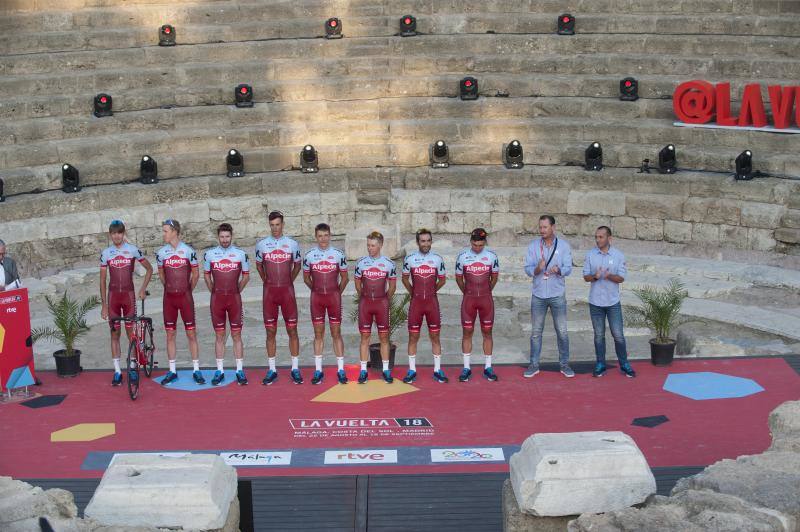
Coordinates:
[278,256]
[374,274]
[424,271]
[478,268]
[225,266]
[175,262]
[324,267]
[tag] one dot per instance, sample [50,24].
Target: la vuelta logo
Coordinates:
[700,102]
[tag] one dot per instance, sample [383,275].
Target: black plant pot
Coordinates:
[375,360]
[662,354]
[68,366]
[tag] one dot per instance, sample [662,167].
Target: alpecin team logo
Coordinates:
[374,274]
[175,262]
[424,271]
[119,262]
[225,266]
[477,268]
[278,256]
[324,267]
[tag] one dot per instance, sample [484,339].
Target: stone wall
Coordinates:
[54,230]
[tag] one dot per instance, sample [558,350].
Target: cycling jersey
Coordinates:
[226,265]
[177,264]
[476,269]
[374,274]
[278,256]
[120,263]
[324,267]
[424,270]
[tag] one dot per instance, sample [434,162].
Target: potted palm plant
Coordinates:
[398,314]
[69,324]
[660,312]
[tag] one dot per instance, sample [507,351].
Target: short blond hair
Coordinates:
[375,235]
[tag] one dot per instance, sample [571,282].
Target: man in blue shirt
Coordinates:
[549,261]
[604,267]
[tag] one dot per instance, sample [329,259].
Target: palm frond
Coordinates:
[69,320]
[660,309]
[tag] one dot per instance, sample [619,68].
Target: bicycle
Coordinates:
[141,350]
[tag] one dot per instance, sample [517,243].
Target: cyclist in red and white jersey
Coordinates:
[325,273]
[117,265]
[423,276]
[179,273]
[226,272]
[278,264]
[477,270]
[376,281]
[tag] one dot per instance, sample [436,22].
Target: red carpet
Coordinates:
[463,415]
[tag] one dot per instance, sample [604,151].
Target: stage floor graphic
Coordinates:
[691,413]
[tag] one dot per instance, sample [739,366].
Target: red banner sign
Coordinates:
[700,102]
[16,350]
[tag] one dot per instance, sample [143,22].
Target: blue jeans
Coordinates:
[614,315]
[558,308]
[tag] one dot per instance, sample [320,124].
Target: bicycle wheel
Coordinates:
[149,349]
[133,371]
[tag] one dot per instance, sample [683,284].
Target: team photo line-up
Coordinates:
[226,272]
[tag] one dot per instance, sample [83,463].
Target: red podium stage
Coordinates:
[16,349]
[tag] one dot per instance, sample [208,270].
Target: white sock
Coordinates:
[172,366]
[412,362]
[466,360]
[488,361]
[318,362]
[363,366]
[385,365]
[271,361]
[239,364]
[220,362]
[196,365]
[437,362]
[116,365]
[295,362]
[340,363]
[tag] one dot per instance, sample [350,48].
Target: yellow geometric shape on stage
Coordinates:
[2,336]
[84,432]
[353,393]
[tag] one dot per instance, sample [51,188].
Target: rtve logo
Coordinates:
[363,456]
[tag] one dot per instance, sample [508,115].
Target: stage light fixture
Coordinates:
[667,160]
[235,163]
[166,35]
[744,166]
[468,88]
[309,162]
[439,154]
[628,89]
[594,157]
[408,26]
[70,178]
[148,171]
[244,95]
[333,28]
[512,155]
[566,24]
[2,196]
[102,105]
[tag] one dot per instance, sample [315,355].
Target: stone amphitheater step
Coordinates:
[118,32]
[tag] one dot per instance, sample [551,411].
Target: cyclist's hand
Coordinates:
[142,294]
[104,312]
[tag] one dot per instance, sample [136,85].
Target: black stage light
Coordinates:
[70,179]
[102,105]
[166,35]
[439,154]
[566,24]
[333,28]
[244,95]
[628,89]
[744,166]
[235,163]
[2,196]
[512,155]
[148,170]
[468,88]
[408,26]
[309,163]
[594,157]
[667,160]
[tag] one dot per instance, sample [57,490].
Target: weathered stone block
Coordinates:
[654,206]
[712,210]
[449,222]
[479,201]
[356,241]
[623,227]
[784,424]
[539,201]
[516,521]
[589,224]
[506,220]
[760,239]
[788,235]
[596,202]
[763,215]
[571,473]
[733,236]
[401,200]
[649,229]
[705,233]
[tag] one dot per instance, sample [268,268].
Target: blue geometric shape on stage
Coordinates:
[20,377]
[186,383]
[710,385]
